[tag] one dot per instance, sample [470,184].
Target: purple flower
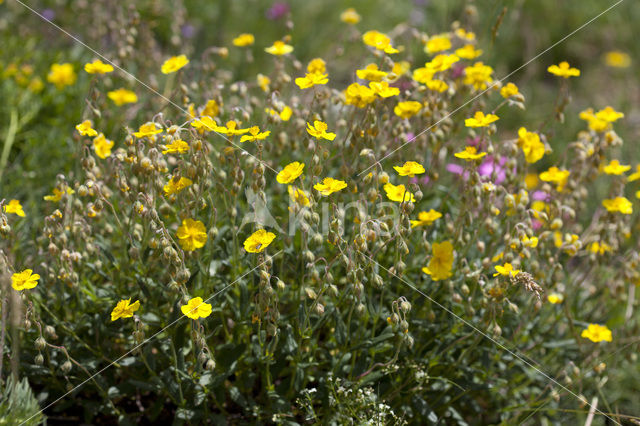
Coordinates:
[540,196]
[278,10]
[48,14]
[421,180]
[474,142]
[458,71]
[455,168]
[489,166]
[188,31]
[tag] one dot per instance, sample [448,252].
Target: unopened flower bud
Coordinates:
[39,359]
[40,343]
[210,365]
[66,367]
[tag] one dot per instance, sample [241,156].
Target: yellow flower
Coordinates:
[557,176]
[383,90]
[255,135]
[468,52]
[422,75]
[173,64]
[192,234]
[57,194]
[426,218]
[617,59]
[397,192]
[531,180]
[350,16]
[102,146]
[488,187]
[410,168]
[615,168]
[124,309]
[437,44]
[211,108]
[555,298]
[263,82]
[319,131]
[176,184]
[618,204]
[209,124]
[24,280]
[478,75]
[563,70]
[359,95]
[437,85]
[529,241]
[509,90]
[441,63]
[279,48]
[609,115]
[298,196]
[441,262]
[317,65]
[14,207]
[600,248]
[85,128]
[122,96]
[371,73]
[379,40]
[531,145]
[480,120]
[597,333]
[465,35]
[634,176]
[284,115]
[311,79]
[258,241]
[233,129]
[146,130]
[290,172]
[537,206]
[36,85]
[243,40]
[598,123]
[196,308]
[177,146]
[407,109]
[61,75]
[329,185]
[470,153]
[506,270]
[98,67]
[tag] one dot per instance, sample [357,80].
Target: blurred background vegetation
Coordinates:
[511,32]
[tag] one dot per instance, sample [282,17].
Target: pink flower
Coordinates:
[457,70]
[455,168]
[540,196]
[278,10]
[489,166]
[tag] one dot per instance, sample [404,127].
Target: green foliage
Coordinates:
[335,322]
[18,405]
